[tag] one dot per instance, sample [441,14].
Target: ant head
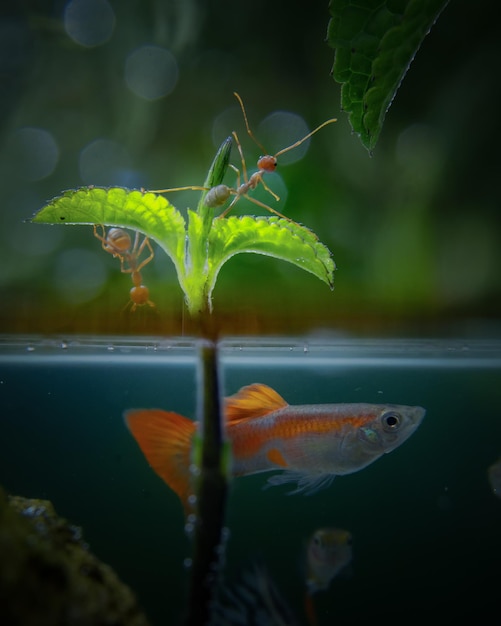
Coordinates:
[267,163]
[139,294]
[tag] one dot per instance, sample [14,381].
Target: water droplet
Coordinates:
[188,562]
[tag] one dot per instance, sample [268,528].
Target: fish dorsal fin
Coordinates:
[252,401]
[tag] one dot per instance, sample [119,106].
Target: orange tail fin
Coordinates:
[165,439]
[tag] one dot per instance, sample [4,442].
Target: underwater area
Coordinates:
[424,518]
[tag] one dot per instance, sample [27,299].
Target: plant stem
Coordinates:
[210,447]
[211,492]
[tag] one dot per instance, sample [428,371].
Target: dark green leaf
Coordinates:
[375,43]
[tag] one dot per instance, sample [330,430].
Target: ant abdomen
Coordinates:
[217,196]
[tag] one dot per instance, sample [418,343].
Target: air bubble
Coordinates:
[194,469]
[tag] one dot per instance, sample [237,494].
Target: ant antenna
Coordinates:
[294,145]
[249,132]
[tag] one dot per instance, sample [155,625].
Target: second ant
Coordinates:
[119,243]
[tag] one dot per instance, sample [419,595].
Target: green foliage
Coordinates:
[375,43]
[147,213]
[199,248]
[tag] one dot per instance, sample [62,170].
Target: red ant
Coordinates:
[218,195]
[119,243]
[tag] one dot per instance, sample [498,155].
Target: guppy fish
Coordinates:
[328,552]
[312,443]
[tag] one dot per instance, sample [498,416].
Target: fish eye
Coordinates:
[391,420]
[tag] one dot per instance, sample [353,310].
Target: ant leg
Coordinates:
[270,191]
[268,208]
[231,205]
[123,269]
[192,188]
[237,172]
[145,243]
[133,252]
[102,238]
[254,201]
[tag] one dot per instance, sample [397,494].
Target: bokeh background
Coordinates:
[140,94]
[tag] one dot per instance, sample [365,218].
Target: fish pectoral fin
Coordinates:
[252,401]
[306,484]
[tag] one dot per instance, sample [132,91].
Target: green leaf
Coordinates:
[375,43]
[145,212]
[216,172]
[271,236]
[200,248]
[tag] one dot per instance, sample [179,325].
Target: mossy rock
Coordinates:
[48,576]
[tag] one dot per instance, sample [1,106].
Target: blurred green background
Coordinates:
[140,94]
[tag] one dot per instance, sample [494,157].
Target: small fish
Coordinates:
[494,476]
[327,553]
[311,443]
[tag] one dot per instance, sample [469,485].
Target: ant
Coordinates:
[218,195]
[119,243]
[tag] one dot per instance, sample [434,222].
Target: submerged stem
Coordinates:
[211,491]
